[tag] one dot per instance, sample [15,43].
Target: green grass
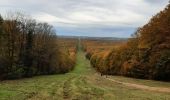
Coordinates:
[83,83]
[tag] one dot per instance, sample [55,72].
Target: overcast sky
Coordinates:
[104,18]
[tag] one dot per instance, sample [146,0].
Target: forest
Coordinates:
[85,50]
[145,55]
[29,48]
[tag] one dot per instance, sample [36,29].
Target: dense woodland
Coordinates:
[29,48]
[145,55]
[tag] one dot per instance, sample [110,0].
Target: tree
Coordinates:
[28,48]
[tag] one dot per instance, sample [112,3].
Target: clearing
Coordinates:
[83,83]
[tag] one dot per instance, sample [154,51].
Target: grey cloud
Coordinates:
[71,16]
[156,1]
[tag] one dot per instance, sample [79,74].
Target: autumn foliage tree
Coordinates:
[145,55]
[29,48]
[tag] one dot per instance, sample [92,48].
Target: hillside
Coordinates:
[83,83]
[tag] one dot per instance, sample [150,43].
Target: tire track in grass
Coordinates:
[67,88]
[80,89]
[86,91]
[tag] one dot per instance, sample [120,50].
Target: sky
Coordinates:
[94,18]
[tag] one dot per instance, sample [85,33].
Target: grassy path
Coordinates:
[83,83]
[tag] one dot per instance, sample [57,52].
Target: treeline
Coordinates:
[146,55]
[69,48]
[29,48]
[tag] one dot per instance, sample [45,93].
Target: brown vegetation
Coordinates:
[145,55]
[29,48]
[97,52]
[68,48]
